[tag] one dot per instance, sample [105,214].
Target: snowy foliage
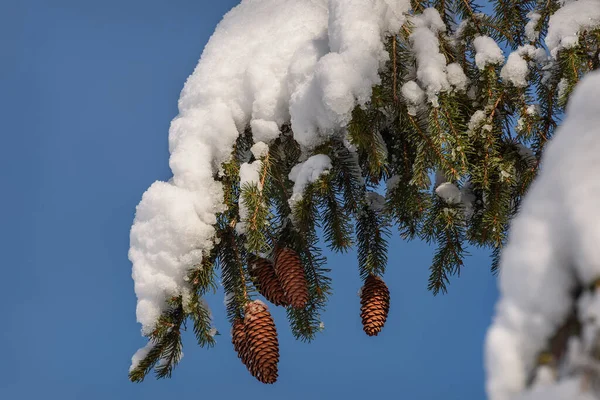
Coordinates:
[552,249]
[487,52]
[307,172]
[431,64]
[326,65]
[516,68]
[320,74]
[566,23]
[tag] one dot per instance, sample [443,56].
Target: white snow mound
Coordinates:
[552,246]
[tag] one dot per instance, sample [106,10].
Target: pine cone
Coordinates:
[290,272]
[262,352]
[239,340]
[268,285]
[375,304]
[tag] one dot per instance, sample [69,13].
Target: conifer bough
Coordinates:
[289,132]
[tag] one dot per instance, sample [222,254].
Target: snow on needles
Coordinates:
[431,64]
[568,21]
[241,77]
[311,70]
[307,172]
[516,68]
[336,82]
[552,246]
[487,52]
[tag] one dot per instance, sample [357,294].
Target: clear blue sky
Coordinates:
[88,89]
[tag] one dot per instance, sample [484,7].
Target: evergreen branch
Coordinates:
[165,352]
[202,320]
[347,175]
[371,233]
[303,238]
[233,276]
[336,221]
[449,232]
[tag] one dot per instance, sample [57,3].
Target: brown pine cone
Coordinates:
[375,304]
[238,338]
[263,272]
[290,272]
[262,352]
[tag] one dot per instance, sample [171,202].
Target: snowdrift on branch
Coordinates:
[553,247]
[255,70]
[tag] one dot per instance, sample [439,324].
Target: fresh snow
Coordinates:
[449,192]
[344,77]
[259,150]
[311,71]
[307,172]
[552,247]
[457,77]
[516,68]
[140,355]
[530,28]
[477,119]
[431,64]
[568,21]
[413,93]
[375,201]
[487,52]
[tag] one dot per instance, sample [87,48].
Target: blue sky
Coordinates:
[88,92]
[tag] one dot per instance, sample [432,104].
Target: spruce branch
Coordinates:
[371,233]
[165,352]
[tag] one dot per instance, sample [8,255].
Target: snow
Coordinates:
[516,68]
[562,86]
[530,28]
[344,77]
[476,120]
[567,389]
[375,201]
[431,64]
[414,96]
[413,93]
[487,52]
[172,226]
[140,355]
[307,172]
[255,70]
[552,246]
[259,150]
[449,192]
[467,197]
[392,182]
[533,109]
[264,130]
[569,21]
[457,77]
[526,153]
[250,173]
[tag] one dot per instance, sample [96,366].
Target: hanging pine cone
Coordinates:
[238,339]
[263,272]
[290,272]
[375,304]
[262,352]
